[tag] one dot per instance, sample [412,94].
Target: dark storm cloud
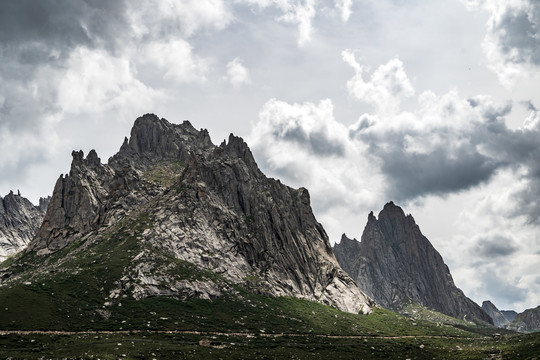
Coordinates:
[317,141]
[517,34]
[42,31]
[413,175]
[496,246]
[460,158]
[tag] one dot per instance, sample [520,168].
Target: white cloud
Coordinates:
[175,61]
[512,42]
[345,8]
[185,18]
[299,12]
[237,73]
[96,81]
[388,85]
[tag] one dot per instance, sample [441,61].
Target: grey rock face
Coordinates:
[19,223]
[527,321]
[211,206]
[498,318]
[395,264]
[43,204]
[510,315]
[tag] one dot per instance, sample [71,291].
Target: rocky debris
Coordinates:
[498,318]
[527,321]
[211,206]
[395,264]
[19,223]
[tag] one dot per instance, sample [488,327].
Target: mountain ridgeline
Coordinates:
[395,264]
[198,204]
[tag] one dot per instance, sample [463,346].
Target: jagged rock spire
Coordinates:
[395,263]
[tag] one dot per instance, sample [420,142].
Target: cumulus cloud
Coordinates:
[159,18]
[325,160]
[96,81]
[237,73]
[305,124]
[174,60]
[388,85]
[512,42]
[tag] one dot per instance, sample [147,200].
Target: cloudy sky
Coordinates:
[432,104]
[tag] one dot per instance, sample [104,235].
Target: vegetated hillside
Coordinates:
[396,264]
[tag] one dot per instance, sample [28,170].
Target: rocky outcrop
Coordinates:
[395,264]
[44,203]
[210,206]
[499,320]
[527,321]
[19,223]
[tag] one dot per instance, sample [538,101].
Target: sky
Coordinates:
[434,105]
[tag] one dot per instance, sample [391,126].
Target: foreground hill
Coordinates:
[396,264]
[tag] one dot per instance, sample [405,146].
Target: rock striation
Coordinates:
[210,206]
[395,264]
[499,320]
[19,222]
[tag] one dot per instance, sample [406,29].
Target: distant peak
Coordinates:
[346,239]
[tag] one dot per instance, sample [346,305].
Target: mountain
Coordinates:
[207,206]
[510,315]
[19,222]
[527,321]
[499,320]
[395,264]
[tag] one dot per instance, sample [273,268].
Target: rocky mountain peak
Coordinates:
[396,264]
[19,223]
[498,318]
[155,139]
[209,206]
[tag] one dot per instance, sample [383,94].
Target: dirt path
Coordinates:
[226,334]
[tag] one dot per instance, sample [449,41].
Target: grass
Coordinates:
[164,174]
[146,345]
